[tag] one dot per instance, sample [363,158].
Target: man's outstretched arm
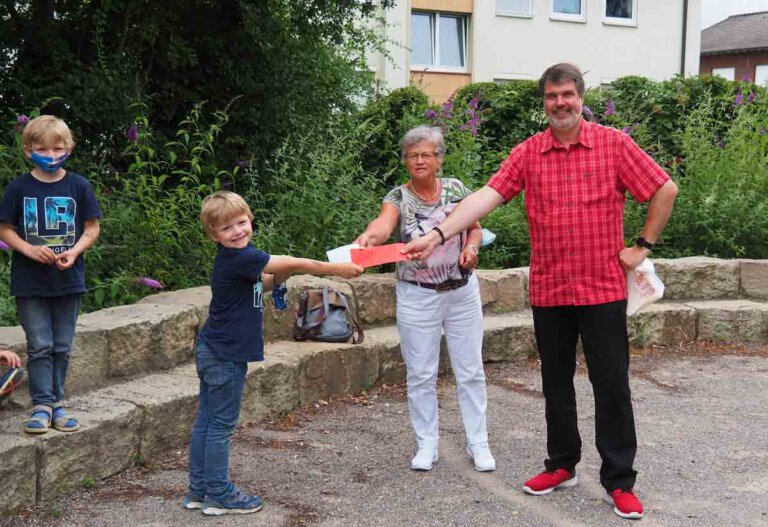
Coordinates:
[471,209]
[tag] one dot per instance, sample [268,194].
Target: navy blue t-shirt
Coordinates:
[233,329]
[51,214]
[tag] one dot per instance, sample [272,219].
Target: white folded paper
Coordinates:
[643,287]
[341,254]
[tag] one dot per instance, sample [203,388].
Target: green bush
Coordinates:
[722,207]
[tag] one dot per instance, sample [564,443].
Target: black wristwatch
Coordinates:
[642,242]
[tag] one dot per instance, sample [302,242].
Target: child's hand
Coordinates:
[41,253]
[349,270]
[10,358]
[66,260]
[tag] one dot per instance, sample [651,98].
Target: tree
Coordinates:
[289,63]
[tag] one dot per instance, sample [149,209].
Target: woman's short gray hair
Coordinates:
[422,134]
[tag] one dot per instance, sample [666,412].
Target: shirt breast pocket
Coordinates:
[597,186]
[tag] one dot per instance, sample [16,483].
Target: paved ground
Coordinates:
[702,416]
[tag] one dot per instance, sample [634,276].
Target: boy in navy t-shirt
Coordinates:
[230,338]
[49,217]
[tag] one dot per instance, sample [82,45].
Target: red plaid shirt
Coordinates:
[575,197]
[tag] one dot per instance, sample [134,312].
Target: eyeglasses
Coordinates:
[426,156]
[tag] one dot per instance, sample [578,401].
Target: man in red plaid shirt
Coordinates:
[575,176]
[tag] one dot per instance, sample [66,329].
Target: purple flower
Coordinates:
[132,134]
[4,246]
[628,129]
[447,108]
[22,119]
[738,100]
[588,112]
[149,282]
[746,78]
[751,97]
[474,103]
[720,142]
[763,131]
[431,114]
[610,108]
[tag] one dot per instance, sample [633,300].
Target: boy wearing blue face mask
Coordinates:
[49,217]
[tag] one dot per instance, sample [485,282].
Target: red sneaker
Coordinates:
[625,503]
[546,482]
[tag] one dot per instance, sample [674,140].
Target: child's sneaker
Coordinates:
[236,503]
[625,503]
[62,422]
[546,482]
[9,380]
[192,501]
[40,420]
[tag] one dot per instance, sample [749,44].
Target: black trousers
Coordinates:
[603,331]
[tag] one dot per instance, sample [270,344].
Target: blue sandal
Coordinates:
[62,422]
[40,420]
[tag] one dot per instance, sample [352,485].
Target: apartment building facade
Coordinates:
[441,45]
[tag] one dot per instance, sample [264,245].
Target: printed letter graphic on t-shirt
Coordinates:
[59,226]
[258,295]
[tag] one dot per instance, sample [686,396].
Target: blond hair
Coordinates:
[221,207]
[46,130]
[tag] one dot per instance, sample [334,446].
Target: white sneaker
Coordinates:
[481,455]
[424,459]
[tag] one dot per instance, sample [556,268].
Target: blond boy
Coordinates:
[49,217]
[230,338]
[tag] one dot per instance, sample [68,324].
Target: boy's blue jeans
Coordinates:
[49,324]
[221,389]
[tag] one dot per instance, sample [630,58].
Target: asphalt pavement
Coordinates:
[702,422]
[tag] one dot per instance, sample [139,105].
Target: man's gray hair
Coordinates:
[422,134]
[560,74]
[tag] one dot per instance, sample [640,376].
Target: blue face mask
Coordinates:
[49,164]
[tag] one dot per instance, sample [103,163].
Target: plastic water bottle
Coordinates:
[278,297]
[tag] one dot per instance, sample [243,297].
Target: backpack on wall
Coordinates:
[324,315]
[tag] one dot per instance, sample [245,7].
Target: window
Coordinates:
[726,73]
[514,8]
[621,12]
[439,40]
[761,74]
[569,10]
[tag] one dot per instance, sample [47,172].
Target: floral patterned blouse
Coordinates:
[416,219]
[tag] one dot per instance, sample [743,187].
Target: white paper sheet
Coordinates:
[341,254]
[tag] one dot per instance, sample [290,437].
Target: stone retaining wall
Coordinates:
[137,385]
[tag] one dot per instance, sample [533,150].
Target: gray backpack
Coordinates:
[324,315]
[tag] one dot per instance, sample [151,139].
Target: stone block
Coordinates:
[168,403]
[508,338]
[754,278]
[662,324]
[375,298]
[272,386]
[89,361]
[279,324]
[732,321]
[106,444]
[145,337]
[502,291]
[385,341]
[196,298]
[698,277]
[18,470]
[336,369]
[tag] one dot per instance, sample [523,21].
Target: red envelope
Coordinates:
[382,254]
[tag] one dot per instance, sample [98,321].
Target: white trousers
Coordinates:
[422,316]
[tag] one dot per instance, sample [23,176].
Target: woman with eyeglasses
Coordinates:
[440,294]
